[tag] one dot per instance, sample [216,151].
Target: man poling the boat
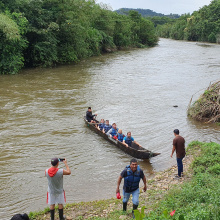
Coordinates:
[132,175]
[129,139]
[90,116]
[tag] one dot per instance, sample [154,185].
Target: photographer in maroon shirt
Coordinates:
[179,147]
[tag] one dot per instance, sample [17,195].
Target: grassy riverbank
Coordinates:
[194,196]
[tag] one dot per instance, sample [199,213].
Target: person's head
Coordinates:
[55,162]
[20,217]
[114,125]
[119,131]
[176,132]
[107,122]
[129,134]
[102,121]
[89,109]
[133,165]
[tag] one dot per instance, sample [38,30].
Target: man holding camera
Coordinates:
[56,192]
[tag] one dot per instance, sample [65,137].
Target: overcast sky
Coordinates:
[159,6]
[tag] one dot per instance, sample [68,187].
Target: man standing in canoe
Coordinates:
[56,192]
[132,175]
[179,147]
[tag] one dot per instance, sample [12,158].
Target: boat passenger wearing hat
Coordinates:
[56,194]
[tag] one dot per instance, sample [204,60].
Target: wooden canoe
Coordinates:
[135,150]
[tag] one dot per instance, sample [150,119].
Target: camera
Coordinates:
[61,159]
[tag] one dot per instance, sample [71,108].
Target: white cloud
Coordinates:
[159,6]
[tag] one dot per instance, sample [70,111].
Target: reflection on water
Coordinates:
[42,116]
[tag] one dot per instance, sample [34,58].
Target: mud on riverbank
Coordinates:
[157,187]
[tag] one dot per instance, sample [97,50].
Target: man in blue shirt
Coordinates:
[132,175]
[128,140]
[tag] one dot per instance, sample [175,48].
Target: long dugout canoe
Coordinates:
[135,150]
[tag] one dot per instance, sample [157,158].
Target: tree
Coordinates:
[12,43]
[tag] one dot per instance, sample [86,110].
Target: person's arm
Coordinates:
[67,171]
[137,143]
[174,148]
[94,115]
[109,132]
[124,142]
[118,184]
[145,183]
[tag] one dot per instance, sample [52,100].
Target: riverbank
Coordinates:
[159,186]
[207,107]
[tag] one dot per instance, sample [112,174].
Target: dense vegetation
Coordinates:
[145,12]
[207,107]
[202,25]
[46,32]
[199,198]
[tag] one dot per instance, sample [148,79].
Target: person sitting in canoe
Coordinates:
[107,126]
[128,140]
[119,135]
[101,125]
[113,131]
[90,116]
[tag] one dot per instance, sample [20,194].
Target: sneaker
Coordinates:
[177,177]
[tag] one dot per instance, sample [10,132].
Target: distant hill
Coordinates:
[145,12]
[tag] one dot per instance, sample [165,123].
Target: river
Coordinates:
[42,116]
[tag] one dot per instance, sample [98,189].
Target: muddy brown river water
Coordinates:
[41,116]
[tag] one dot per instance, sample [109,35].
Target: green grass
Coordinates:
[33,215]
[199,198]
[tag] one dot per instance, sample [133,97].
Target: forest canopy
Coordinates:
[201,25]
[48,32]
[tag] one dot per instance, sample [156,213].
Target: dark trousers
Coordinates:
[180,165]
